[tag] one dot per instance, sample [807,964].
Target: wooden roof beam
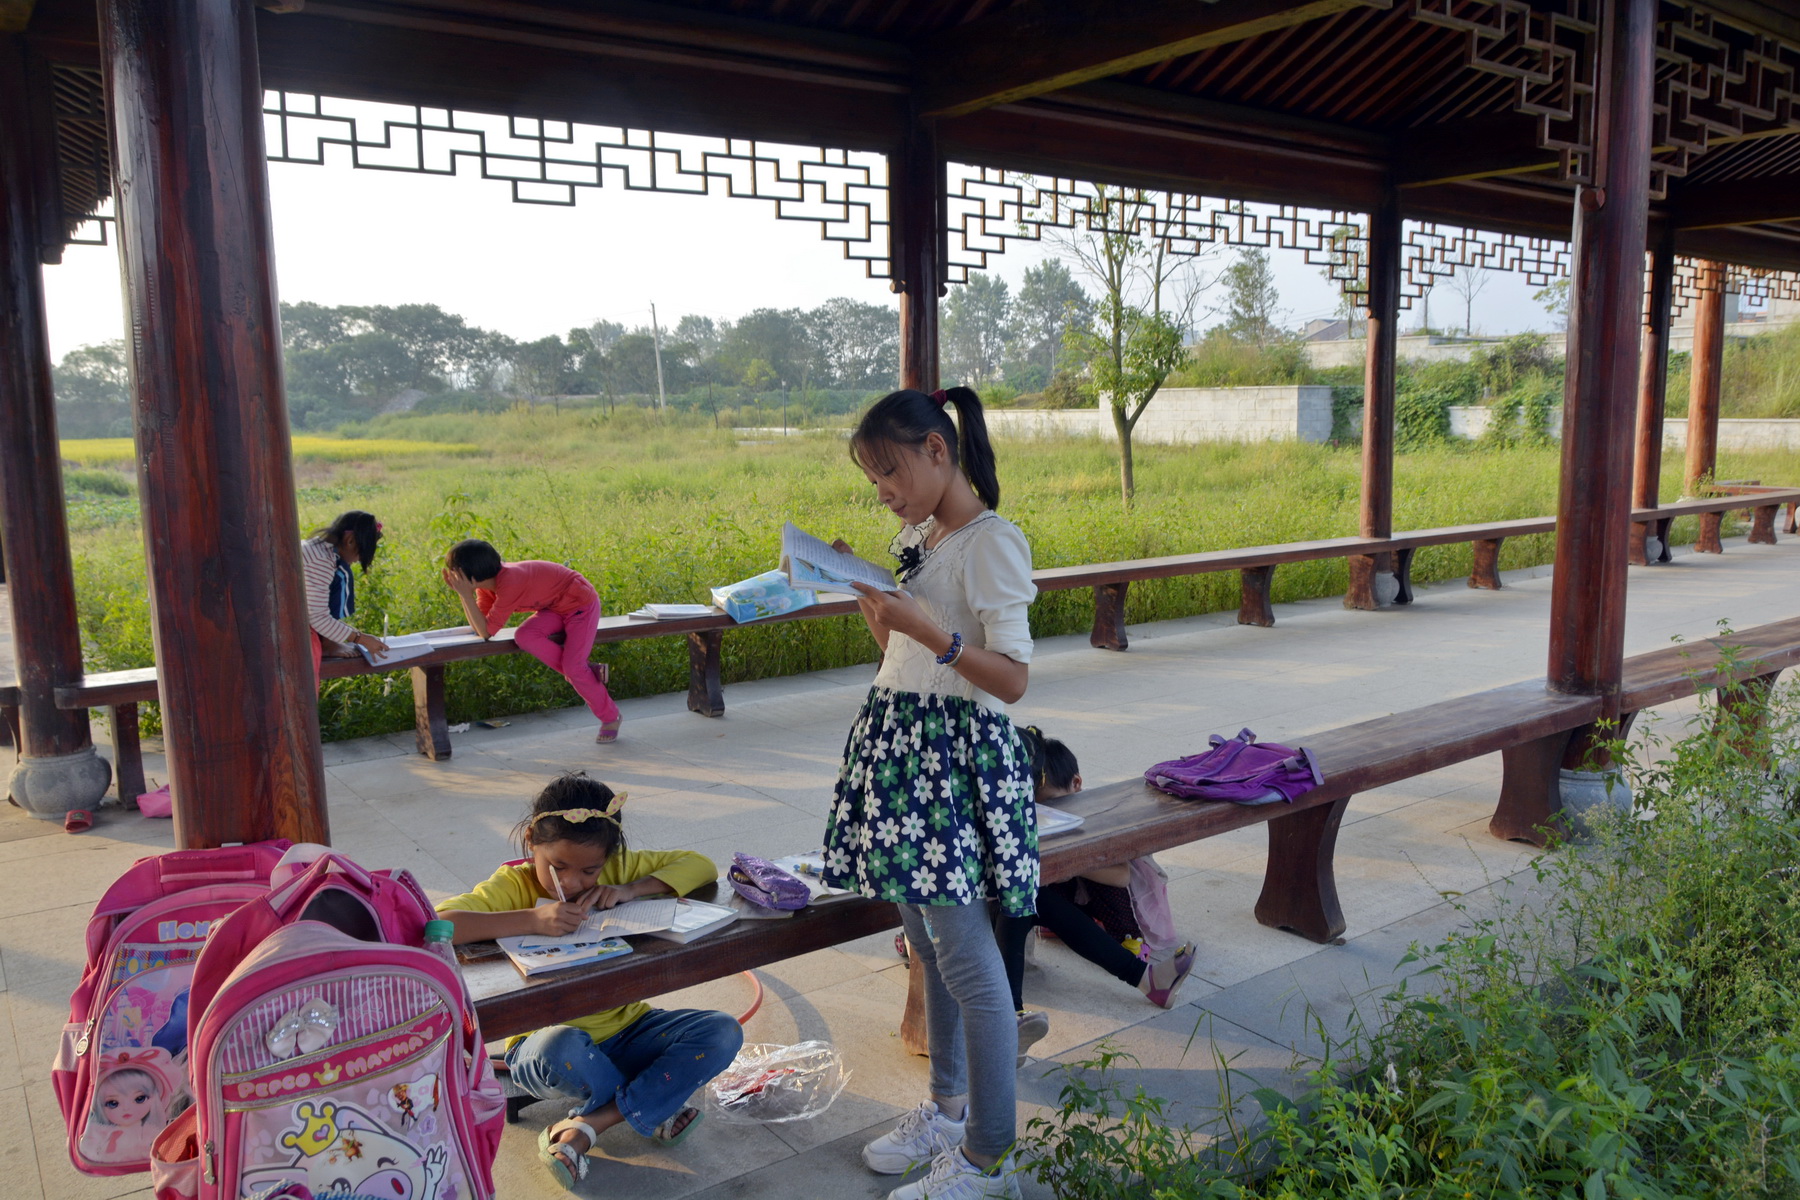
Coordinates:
[15,15]
[1047,45]
[1459,151]
[1741,202]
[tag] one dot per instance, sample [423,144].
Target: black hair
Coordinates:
[908,417]
[364,525]
[574,790]
[476,559]
[1052,762]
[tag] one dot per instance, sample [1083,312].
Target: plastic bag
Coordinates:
[768,1084]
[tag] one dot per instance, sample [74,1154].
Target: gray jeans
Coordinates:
[970,1025]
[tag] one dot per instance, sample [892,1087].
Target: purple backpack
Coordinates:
[1240,770]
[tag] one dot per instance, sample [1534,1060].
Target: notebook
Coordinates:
[534,955]
[695,919]
[631,917]
[1052,821]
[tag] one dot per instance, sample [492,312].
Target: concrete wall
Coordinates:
[1188,415]
[1734,433]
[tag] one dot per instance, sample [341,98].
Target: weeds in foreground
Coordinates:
[1628,1025]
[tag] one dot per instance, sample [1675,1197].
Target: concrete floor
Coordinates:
[760,777]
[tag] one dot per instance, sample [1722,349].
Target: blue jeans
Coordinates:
[650,1067]
[970,1024]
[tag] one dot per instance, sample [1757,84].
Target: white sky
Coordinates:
[346,236]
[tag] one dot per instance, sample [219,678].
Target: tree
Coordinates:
[1147,295]
[93,391]
[1050,303]
[1555,299]
[976,326]
[539,367]
[1468,283]
[1252,312]
[858,344]
[1348,307]
[778,336]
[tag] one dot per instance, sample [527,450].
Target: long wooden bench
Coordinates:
[121,691]
[1531,727]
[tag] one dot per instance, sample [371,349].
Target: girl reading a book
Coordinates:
[325,561]
[559,601]
[634,1064]
[934,801]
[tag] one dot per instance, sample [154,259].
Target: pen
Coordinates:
[557,880]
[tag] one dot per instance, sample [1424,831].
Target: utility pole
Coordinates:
[662,398]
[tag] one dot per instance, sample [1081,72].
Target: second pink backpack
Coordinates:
[331,1053]
[121,1072]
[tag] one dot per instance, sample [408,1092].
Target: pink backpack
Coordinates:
[121,1070]
[331,1054]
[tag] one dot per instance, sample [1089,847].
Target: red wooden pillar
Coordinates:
[1653,386]
[1377,515]
[220,527]
[916,197]
[58,769]
[1587,599]
[1708,367]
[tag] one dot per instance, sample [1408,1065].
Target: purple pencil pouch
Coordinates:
[762,882]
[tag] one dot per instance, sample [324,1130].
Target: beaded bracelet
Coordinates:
[948,658]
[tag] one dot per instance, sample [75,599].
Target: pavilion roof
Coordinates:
[1308,103]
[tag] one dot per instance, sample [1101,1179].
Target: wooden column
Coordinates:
[1377,515]
[1653,386]
[916,196]
[1587,599]
[221,531]
[1708,361]
[33,528]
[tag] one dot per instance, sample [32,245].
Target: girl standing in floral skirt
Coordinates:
[934,800]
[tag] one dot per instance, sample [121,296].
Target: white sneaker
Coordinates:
[954,1177]
[920,1137]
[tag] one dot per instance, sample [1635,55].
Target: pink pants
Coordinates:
[570,660]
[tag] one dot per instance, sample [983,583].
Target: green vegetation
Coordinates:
[119,451]
[1627,1030]
[663,509]
[1761,377]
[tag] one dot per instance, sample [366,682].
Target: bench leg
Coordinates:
[1743,709]
[9,727]
[1253,605]
[429,726]
[1530,792]
[1299,885]
[1663,527]
[914,1037]
[706,695]
[1762,525]
[1708,541]
[1485,573]
[1637,555]
[1403,560]
[128,755]
[1793,521]
[1361,593]
[1109,617]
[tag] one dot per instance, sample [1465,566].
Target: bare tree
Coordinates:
[1468,283]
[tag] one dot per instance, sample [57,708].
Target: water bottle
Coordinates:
[438,936]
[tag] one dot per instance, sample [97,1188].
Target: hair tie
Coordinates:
[378,527]
[576,816]
[941,397]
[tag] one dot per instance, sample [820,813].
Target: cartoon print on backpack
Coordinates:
[343,1153]
[138,1092]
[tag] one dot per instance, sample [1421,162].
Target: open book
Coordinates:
[400,647]
[816,566]
[535,955]
[672,612]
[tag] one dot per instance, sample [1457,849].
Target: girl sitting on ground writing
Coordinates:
[559,600]
[634,1064]
[1096,913]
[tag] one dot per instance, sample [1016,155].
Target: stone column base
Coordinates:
[1592,796]
[52,786]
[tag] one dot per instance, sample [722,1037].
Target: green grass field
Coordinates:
[113,452]
[662,510]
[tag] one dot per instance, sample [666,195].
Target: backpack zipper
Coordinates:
[207,1172]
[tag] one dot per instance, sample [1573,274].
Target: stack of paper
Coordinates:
[673,612]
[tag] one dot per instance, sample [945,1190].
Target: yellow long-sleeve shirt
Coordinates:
[515,886]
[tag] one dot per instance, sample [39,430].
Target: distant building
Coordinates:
[1324,329]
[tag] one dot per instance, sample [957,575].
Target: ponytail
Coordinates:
[907,417]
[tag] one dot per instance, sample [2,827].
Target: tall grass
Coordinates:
[1761,377]
[663,509]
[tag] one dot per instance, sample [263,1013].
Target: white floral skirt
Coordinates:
[934,806]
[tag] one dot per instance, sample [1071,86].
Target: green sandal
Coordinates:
[667,1135]
[569,1167]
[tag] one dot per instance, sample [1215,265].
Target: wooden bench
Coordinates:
[121,691]
[1532,728]
[1742,665]
[1655,522]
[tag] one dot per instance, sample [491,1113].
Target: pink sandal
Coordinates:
[609,732]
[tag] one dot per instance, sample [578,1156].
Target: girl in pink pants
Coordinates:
[560,601]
